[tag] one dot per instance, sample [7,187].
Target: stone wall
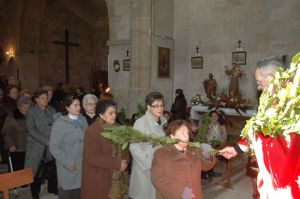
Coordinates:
[52,56]
[39,60]
[119,42]
[91,50]
[163,37]
[265,28]
[141,27]
[269,27]
[11,12]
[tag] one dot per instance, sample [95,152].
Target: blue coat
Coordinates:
[66,146]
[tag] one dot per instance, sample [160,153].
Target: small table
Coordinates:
[226,182]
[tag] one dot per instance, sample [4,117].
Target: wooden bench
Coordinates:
[15,179]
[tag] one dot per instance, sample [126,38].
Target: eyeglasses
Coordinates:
[158,106]
[258,82]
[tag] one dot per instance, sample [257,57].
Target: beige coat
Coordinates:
[140,186]
[172,171]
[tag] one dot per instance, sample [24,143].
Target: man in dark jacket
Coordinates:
[179,106]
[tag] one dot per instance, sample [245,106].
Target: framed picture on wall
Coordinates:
[163,68]
[126,64]
[197,62]
[239,57]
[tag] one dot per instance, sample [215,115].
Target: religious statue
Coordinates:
[210,86]
[235,74]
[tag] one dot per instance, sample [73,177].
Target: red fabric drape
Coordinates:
[279,162]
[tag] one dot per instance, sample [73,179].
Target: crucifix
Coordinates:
[197,50]
[239,42]
[66,43]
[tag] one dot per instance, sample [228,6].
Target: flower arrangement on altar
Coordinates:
[223,101]
[198,99]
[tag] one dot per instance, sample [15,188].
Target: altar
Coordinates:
[198,110]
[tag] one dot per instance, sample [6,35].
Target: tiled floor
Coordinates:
[241,185]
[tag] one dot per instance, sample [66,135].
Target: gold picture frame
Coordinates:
[163,68]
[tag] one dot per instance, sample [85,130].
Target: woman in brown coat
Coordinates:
[99,158]
[176,169]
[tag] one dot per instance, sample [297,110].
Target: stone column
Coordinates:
[140,26]
[119,42]
[130,28]
[141,48]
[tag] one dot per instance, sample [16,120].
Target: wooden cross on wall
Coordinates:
[66,43]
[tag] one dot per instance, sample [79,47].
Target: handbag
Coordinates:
[119,179]
[47,168]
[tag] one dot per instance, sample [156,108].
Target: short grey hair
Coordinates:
[87,97]
[269,65]
[151,97]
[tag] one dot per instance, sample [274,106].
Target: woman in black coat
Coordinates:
[179,106]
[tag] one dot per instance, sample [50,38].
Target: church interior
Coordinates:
[129,48]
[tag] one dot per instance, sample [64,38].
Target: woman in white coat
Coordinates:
[140,186]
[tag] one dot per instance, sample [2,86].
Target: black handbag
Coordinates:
[47,168]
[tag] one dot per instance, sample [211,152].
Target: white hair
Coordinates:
[87,97]
[269,65]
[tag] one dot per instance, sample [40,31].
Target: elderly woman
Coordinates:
[142,153]
[176,169]
[39,121]
[66,146]
[14,131]
[89,102]
[101,159]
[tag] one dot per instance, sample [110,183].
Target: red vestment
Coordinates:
[279,164]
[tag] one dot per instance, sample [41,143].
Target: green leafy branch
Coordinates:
[122,115]
[124,135]
[202,132]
